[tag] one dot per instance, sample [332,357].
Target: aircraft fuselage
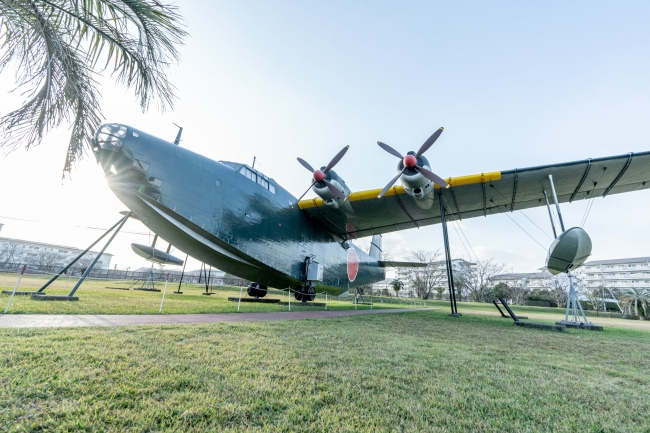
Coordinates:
[225,214]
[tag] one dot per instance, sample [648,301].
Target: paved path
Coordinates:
[73,320]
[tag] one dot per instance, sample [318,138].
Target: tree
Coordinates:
[59,44]
[517,292]
[48,258]
[637,297]
[479,279]
[460,283]
[397,285]
[9,253]
[596,298]
[500,290]
[558,287]
[425,280]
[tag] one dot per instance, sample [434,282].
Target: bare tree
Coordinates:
[460,283]
[479,279]
[48,258]
[85,261]
[9,253]
[425,280]
[557,287]
[517,292]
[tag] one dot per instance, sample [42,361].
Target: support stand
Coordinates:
[572,307]
[71,296]
[573,303]
[62,271]
[178,292]
[148,284]
[450,274]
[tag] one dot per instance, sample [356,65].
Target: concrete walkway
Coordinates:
[72,320]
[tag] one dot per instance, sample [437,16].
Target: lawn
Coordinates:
[115,297]
[407,372]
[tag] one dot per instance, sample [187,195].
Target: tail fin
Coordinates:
[375,247]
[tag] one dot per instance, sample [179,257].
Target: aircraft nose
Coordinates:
[110,137]
[109,148]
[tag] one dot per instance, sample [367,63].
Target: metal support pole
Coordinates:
[241,289]
[92,265]
[550,215]
[15,288]
[62,271]
[182,274]
[573,303]
[445,237]
[163,296]
[557,203]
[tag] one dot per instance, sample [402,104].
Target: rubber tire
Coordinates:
[261,290]
[297,294]
[252,290]
[310,293]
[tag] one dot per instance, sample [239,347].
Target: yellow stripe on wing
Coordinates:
[373,193]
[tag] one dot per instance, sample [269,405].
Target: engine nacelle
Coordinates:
[321,189]
[416,185]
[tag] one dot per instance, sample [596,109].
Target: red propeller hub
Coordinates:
[409,162]
[319,175]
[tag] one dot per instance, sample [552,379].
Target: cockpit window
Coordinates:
[110,136]
[257,177]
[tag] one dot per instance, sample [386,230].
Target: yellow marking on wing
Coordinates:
[473,178]
[373,193]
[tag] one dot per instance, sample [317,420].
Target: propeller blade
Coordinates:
[432,176]
[387,187]
[390,150]
[336,159]
[335,190]
[303,194]
[306,165]
[427,144]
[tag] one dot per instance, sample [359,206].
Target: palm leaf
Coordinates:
[58,45]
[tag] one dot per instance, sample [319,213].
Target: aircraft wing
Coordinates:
[482,195]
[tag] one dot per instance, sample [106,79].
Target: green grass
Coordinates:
[399,372]
[96,298]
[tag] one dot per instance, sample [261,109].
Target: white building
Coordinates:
[616,273]
[18,251]
[530,280]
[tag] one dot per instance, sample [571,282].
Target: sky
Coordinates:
[514,84]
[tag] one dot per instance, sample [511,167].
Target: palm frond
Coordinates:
[58,44]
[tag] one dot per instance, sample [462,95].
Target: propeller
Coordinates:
[411,161]
[319,175]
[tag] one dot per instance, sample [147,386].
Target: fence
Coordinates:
[114,274]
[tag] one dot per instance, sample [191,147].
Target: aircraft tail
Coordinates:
[375,247]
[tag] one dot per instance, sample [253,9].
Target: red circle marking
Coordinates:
[319,175]
[353,264]
[410,161]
